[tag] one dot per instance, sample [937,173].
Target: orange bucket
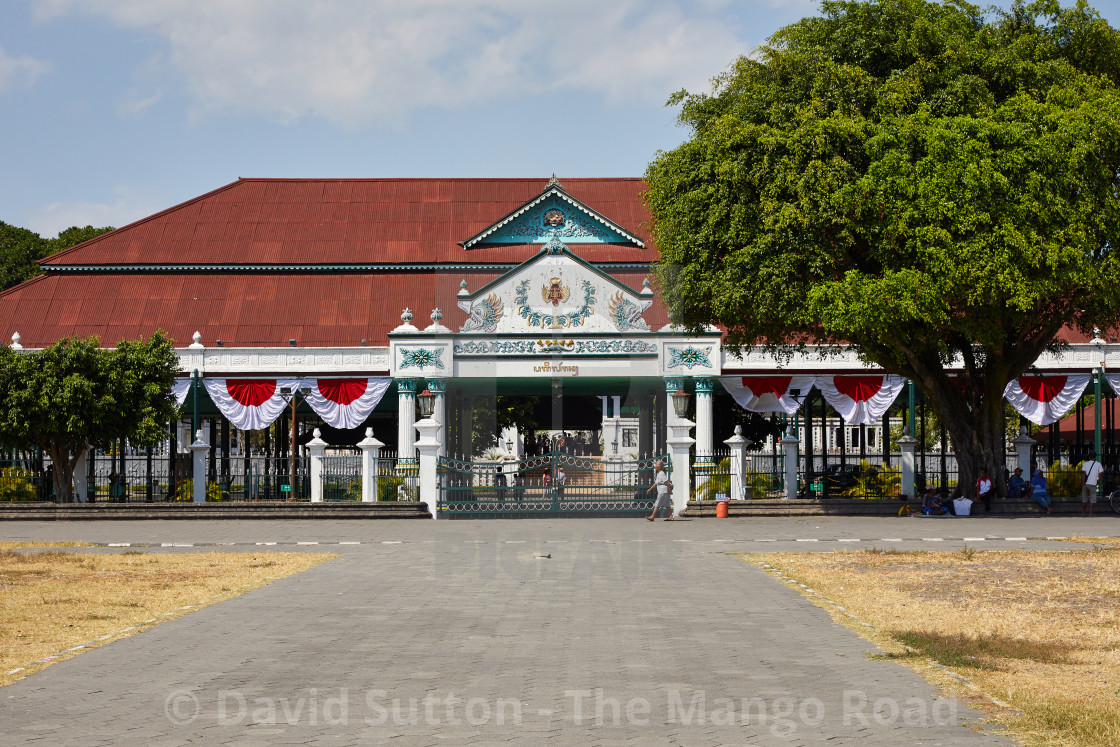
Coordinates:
[721,510]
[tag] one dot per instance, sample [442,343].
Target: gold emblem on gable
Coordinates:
[555,293]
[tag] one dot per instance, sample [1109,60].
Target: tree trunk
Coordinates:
[63,463]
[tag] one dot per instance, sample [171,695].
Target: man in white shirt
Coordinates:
[1092,469]
[664,487]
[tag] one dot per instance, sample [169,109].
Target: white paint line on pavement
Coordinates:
[974,539]
[390,542]
[349,543]
[120,544]
[723,540]
[266,543]
[847,539]
[808,540]
[307,543]
[933,539]
[1016,539]
[166,544]
[516,542]
[891,539]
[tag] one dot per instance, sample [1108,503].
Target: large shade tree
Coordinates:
[933,185]
[21,249]
[75,394]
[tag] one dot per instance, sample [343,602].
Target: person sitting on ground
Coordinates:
[1016,485]
[931,503]
[962,506]
[1040,493]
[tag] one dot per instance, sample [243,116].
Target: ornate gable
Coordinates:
[553,214]
[555,291]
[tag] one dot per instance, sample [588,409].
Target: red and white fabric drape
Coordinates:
[768,393]
[345,403]
[179,391]
[1045,399]
[860,400]
[250,404]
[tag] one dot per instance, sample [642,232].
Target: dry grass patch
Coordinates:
[40,543]
[51,601]
[1037,630]
[1102,541]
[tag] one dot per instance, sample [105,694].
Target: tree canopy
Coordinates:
[20,249]
[926,182]
[75,394]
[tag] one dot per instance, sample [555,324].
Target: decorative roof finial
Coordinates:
[554,182]
[406,315]
[437,316]
[15,341]
[463,288]
[197,336]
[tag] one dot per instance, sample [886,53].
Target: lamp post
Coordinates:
[428,446]
[679,443]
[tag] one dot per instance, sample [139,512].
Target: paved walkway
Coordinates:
[455,632]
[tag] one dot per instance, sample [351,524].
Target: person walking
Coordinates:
[664,488]
[1091,473]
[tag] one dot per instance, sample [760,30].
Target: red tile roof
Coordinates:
[355,221]
[240,308]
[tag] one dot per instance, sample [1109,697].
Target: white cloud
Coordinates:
[126,204]
[19,72]
[378,60]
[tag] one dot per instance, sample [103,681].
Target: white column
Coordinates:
[705,441]
[198,459]
[907,444]
[406,420]
[371,449]
[738,446]
[317,446]
[790,455]
[438,387]
[428,446]
[679,443]
[81,478]
[1023,446]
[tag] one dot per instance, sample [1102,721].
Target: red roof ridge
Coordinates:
[160,214]
[24,284]
[429,179]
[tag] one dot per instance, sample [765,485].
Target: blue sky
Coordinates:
[111,110]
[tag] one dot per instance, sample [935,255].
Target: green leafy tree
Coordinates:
[927,183]
[21,249]
[75,394]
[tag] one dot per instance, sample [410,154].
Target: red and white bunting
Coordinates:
[346,403]
[250,404]
[1045,399]
[860,400]
[768,393]
[179,391]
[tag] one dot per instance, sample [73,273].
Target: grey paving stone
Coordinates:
[458,635]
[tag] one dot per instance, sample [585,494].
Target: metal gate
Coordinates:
[553,484]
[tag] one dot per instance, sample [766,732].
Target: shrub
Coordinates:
[1064,481]
[16,485]
[185,493]
[387,488]
[883,481]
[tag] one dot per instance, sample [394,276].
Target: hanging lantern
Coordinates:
[680,403]
[427,402]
